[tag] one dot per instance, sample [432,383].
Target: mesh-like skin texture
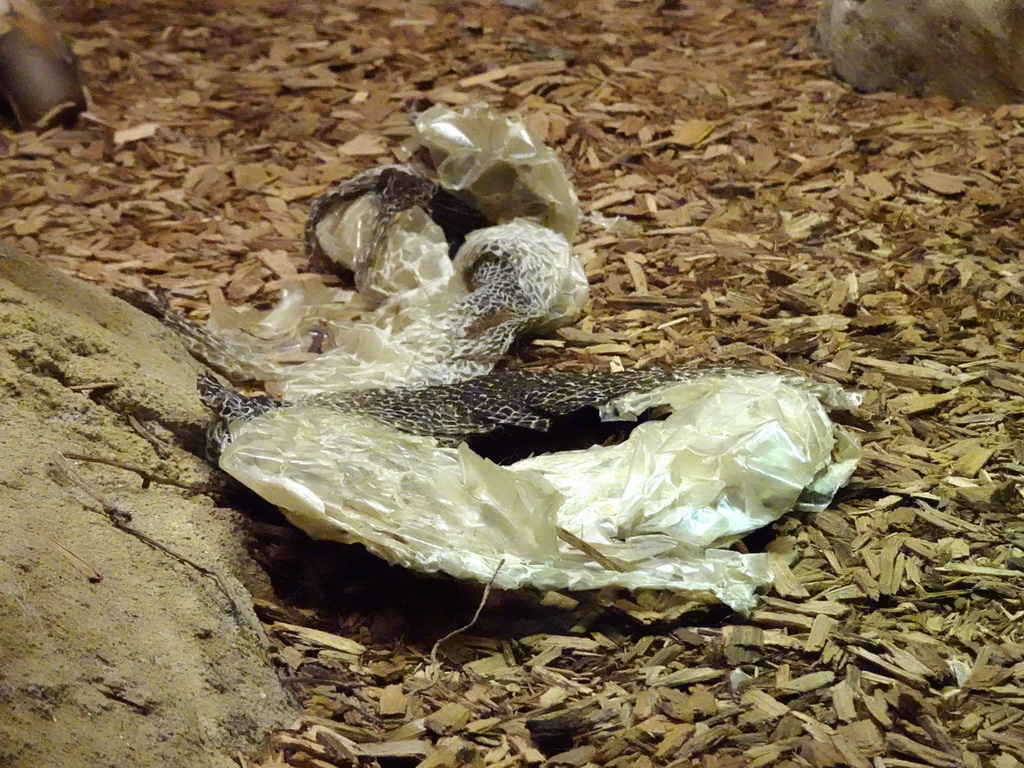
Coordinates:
[516,277]
[402,437]
[228,406]
[453,412]
[509,278]
[528,399]
[390,190]
[395,187]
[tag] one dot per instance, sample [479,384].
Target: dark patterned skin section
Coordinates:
[453,412]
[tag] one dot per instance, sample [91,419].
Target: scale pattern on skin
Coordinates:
[482,404]
[514,277]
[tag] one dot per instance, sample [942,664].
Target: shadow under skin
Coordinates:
[344,588]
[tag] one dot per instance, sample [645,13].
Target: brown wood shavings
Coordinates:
[745,209]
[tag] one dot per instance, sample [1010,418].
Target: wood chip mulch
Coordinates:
[742,207]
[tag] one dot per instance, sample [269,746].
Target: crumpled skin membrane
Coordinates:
[418,315]
[498,165]
[411,264]
[505,280]
[736,452]
[511,278]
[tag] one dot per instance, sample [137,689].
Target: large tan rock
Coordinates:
[970,50]
[151,665]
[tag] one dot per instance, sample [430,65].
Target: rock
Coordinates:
[964,49]
[113,652]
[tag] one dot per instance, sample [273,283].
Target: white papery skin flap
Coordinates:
[734,454]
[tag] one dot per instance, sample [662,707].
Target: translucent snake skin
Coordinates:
[510,278]
[452,393]
[384,431]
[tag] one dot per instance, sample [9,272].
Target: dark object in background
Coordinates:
[968,50]
[39,76]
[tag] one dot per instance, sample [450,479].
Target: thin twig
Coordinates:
[121,517]
[434,665]
[472,622]
[146,475]
[162,449]
[83,565]
[117,514]
[92,386]
[589,550]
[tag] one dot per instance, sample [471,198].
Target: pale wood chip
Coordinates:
[943,183]
[135,133]
[363,144]
[692,132]
[318,638]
